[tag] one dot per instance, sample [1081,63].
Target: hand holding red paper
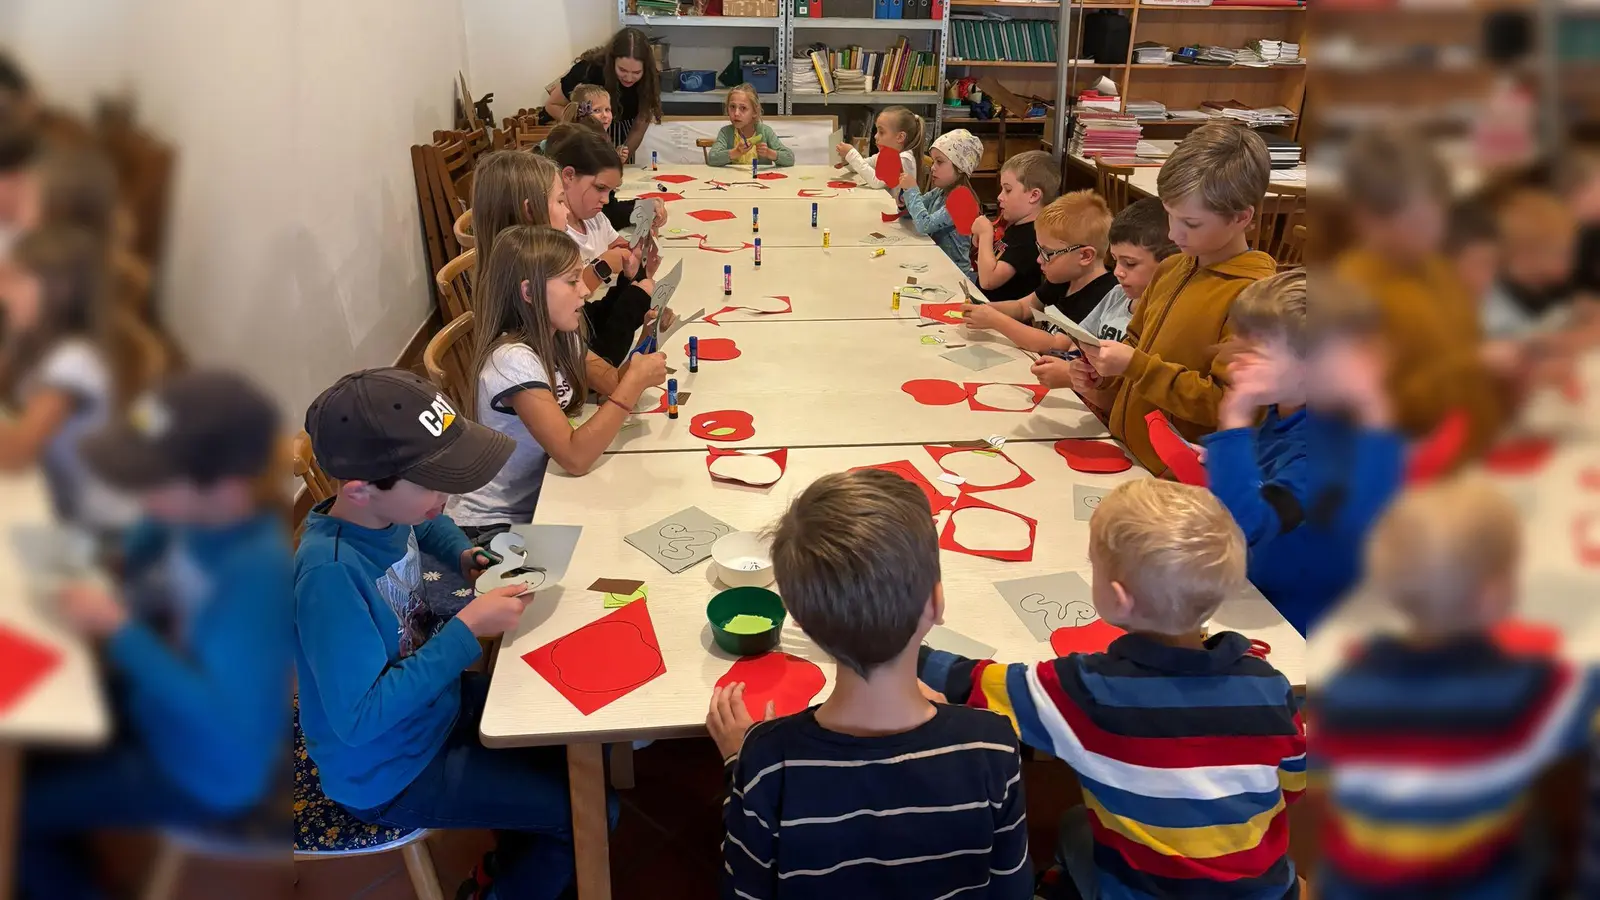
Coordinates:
[91,610]
[728,720]
[888,168]
[1110,359]
[843,149]
[907,181]
[962,205]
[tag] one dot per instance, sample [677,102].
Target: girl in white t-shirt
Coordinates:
[55,372]
[896,130]
[528,353]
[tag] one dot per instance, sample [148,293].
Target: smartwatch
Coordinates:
[602,270]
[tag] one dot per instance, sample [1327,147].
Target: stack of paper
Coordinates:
[1095,100]
[803,76]
[1222,56]
[1285,154]
[1147,110]
[1255,118]
[850,81]
[1267,52]
[1149,53]
[1096,133]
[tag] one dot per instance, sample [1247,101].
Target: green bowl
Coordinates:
[739,601]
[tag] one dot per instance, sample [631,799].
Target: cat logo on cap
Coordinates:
[438,417]
[150,417]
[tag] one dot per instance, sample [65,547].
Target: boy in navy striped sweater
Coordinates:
[1188,748]
[877,793]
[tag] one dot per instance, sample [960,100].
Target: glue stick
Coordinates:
[894,301]
[877,253]
[653,160]
[758,253]
[672,398]
[826,234]
[753,166]
[694,354]
[755,220]
[813,215]
[727,281]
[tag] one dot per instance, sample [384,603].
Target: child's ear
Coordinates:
[933,613]
[1244,217]
[1036,196]
[568,175]
[358,493]
[1124,601]
[527,291]
[527,208]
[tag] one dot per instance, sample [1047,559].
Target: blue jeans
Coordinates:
[521,794]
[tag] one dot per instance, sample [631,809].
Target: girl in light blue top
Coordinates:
[955,154]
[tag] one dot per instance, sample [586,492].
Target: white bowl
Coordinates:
[743,560]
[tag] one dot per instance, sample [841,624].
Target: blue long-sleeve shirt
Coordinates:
[208,698]
[377,696]
[928,213]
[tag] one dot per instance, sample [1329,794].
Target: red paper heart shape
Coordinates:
[709,426]
[889,167]
[963,209]
[934,391]
[937,502]
[1180,458]
[1094,457]
[715,349]
[1522,456]
[1437,453]
[711,215]
[1519,638]
[24,662]
[1094,637]
[771,176]
[664,198]
[675,179]
[789,681]
[841,184]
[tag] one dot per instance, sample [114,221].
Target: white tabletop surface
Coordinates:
[837,283]
[630,491]
[637,180]
[786,222]
[68,706]
[832,383]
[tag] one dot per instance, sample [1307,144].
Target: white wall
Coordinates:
[519,46]
[294,250]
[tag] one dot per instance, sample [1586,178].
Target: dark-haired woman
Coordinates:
[627,68]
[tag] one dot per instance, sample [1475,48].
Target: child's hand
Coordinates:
[931,695]
[496,612]
[728,721]
[91,610]
[908,181]
[982,227]
[1053,372]
[843,149]
[475,561]
[623,153]
[646,370]
[630,264]
[1110,358]
[766,153]
[660,219]
[1084,377]
[981,316]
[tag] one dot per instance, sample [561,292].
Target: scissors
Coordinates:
[968,294]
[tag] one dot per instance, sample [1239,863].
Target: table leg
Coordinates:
[591,827]
[10,807]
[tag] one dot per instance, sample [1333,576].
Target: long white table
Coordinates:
[736,182]
[786,222]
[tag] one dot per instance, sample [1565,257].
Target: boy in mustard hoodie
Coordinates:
[1168,361]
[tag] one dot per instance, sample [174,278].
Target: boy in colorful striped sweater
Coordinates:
[1432,740]
[1188,748]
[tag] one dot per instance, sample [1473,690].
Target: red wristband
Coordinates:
[620,405]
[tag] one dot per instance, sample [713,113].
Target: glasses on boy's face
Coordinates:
[1046,255]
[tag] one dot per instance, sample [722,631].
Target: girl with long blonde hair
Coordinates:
[746,137]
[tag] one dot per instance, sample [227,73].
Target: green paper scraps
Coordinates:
[744,623]
[719,432]
[932,339]
[985,453]
[613,601]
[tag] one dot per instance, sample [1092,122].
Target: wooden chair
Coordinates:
[1112,182]
[305,467]
[455,286]
[459,157]
[705,145]
[529,136]
[463,230]
[447,359]
[1294,249]
[439,205]
[1276,215]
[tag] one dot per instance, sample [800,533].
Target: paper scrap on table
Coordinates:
[745,623]
[623,598]
[1085,500]
[616,585]
[680,540]
[942,638]
[1047,602]
[977,358]
[949,478]
[24,663]
[535,556]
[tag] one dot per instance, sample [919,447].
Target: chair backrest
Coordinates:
[463,231]
[705,145]
[459,158]
[455,286]
[1112,182]
[1294,249]
[1277,214]
[439,205]
[529,136]
[448,359]
[140,355]
[317,482]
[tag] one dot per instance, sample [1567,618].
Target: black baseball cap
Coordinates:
[385,423]
[201,426]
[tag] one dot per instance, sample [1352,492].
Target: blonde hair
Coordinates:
[902,119]
[749,91]
[1081,217]
[1173,547]
[1342,311]
[1385,169]
[509,187]
[1226,165]
[582,95]
[1436,549]
[1035,170]
[532,254]
[1272,307]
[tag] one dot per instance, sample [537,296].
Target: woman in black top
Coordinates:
[627,68]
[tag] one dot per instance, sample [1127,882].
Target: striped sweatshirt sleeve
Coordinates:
[1010,875]
[750,838]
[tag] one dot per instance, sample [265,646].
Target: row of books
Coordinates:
[869,9]
[1018,40]
[853,69]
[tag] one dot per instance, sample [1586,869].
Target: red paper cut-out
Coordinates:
[781,457]
[1437,453]
[1519,638]
[788,307]
[816,193]
[674,179]
[1178,455]
[712,215]
[1038,390]
[789,681]
[934,391]
[771,176]
[1522,456]
[947,537]
[1094,457]
[938,453]
[24,662]
[1094,637]
[889,217]
[715,349]
[937,502]
[947,313]
[888,167]
[709,426]
[841,184]
[664,198]
[743,245]
[962,206]
[604,660]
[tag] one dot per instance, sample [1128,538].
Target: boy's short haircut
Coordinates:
[1143,223]
[1437,546]
[1036,170]
[1173,547]
[1226,166]
[1385,169]
[19,146]
[1340,311]
[1081,217]
[1471,222]
[1530,218]
[1273,307]
[857,557]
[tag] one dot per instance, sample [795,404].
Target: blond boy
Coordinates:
[1167,726]
[1072,235]
[1006,258]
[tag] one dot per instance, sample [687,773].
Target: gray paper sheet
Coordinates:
[533,555]
[1085,500]
[942,638]
[1047,602]
[681,539]
[976,357]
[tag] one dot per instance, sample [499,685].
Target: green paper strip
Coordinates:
[613,601]
[985,453]
[719,432]
[745,623]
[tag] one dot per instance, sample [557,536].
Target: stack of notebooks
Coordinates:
[850,81]
[1149,53]
[1270,53]
[805,77]
[1255,118]
[658,7]
[1285,154]
[999,38]
[1147,110]
[1104,133]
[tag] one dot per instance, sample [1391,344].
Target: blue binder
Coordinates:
[881,9]
[896,9]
